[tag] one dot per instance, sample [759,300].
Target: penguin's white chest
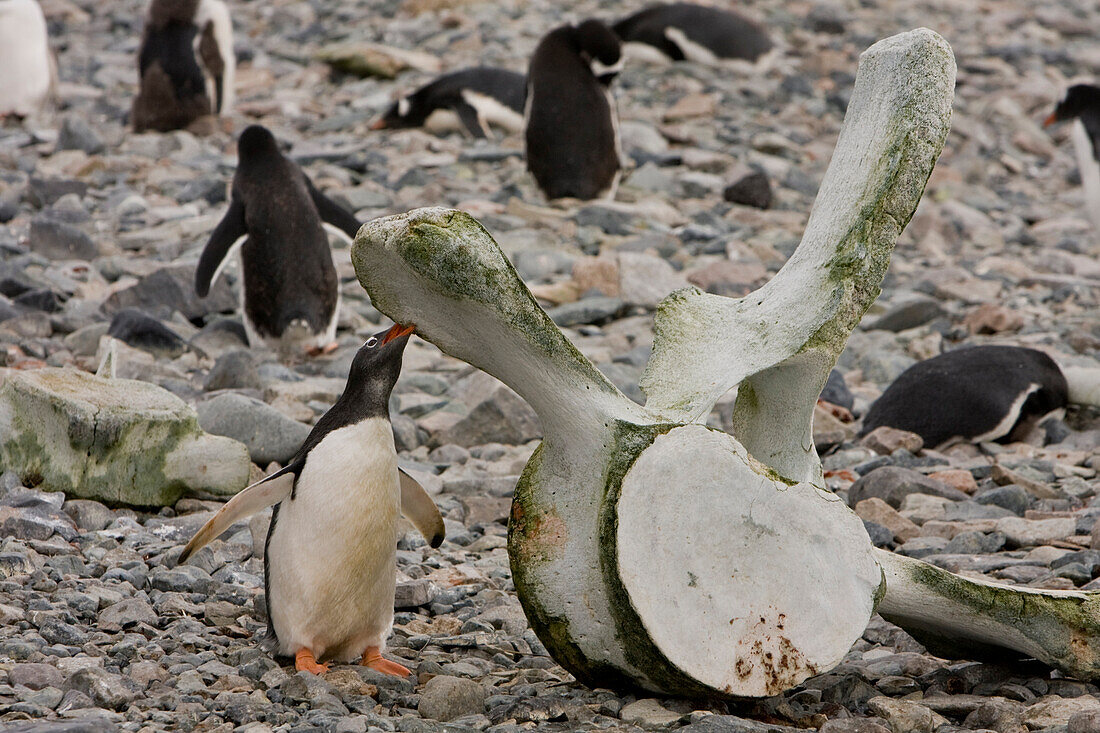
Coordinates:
[331,554]
[24,57]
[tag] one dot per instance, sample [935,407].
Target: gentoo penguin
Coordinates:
[25,60]
[290,296]
[981,393]
[685,31]
[470,99]
[330,555]
[572,127]
[185,64]
[1082,105]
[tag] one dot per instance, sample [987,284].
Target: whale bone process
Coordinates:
[650,550]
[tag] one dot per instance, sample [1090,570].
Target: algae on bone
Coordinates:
[779,342]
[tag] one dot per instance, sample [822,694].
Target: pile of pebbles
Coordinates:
[100,630]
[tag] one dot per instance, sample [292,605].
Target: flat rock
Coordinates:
[269,434]
[119,441]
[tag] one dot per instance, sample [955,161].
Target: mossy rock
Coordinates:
[118,441]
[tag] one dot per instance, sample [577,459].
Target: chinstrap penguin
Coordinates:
[330,554]
[981,393]
[290,293]
[685,31]
[470,99]
[186,64]
[572,135]
[1082,105]
[25,59]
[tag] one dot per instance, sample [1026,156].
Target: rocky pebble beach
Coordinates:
[100,630]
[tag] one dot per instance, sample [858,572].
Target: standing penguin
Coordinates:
[330,555]
[186,64]
[290,296]
[470,99]
[25,59]
[1082,105]
[572,126]
[686,31]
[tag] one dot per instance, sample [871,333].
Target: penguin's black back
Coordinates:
[968,392]
[571,127]
[726,34]
[507,87]
[288,270]
[173,86]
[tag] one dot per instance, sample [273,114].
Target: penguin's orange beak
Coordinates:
[1050,120]
[397,332]
[379,124]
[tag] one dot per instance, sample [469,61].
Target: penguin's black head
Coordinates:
[377,365]
[254,141]
[601,49]
[405,112]
[1079,99]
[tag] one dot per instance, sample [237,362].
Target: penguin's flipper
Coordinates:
[332,212]
[231,228]
[260,495]
[471,120]
[419,509]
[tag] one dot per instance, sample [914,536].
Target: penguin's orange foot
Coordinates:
[373,658]
[321,350]
[304,660]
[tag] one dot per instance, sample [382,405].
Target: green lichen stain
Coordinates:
[1067,627]
[638,648]
[455,257]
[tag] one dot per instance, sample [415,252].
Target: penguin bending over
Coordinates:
[1082,105]
[980,393]
[185,64]
[290,294]
[470,99]
[330,554]
[25,60]
[572,133]
[685,31]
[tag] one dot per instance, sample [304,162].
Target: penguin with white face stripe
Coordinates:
[469,99]
[330,557]
[186,64]
[290,299]
[981,393]
[572,135]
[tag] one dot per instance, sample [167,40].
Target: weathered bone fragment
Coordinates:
[647,548]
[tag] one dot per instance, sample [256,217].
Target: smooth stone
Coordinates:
[268,433]
[445,698]
[60,241]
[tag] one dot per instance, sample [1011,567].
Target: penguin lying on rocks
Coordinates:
[330,555]
[685,31]
[469,99]
[980,393]
[290,299]
[25,59]
[572,126]
[186,64]
[1082,105]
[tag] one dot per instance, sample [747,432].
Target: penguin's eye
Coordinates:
[372,341]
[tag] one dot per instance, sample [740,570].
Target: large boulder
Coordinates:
[117,441]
